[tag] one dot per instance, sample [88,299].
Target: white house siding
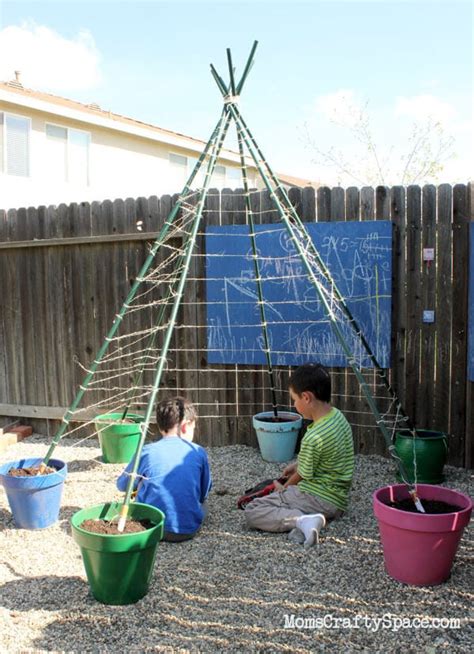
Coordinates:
[120,165]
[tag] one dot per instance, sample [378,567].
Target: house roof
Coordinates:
[14,92]
[88,112]
[300,182]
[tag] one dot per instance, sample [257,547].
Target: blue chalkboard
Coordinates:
[359,256]
[470,362]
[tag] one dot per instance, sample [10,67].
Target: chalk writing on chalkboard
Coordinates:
[358,256]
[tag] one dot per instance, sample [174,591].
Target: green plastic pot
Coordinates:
[118,567]
[118,441]
[431,451]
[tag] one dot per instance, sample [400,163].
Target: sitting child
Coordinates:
[318,483]
[174,471]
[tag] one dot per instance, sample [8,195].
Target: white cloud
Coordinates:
[421,107]
[343,106]
[47,60]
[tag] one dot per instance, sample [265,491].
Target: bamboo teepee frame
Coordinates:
[315,267]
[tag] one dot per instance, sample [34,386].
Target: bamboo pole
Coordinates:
[258,279]
[119,317]
[151,343]
[231,72]
[179,293]
[247,68]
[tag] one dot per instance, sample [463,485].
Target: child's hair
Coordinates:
[312,377]
[170,413]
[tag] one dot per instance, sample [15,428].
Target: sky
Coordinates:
[337,90]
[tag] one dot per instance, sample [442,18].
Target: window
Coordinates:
[222,176]
[67,154]
[14,145]
[198,181]
[56,152]
[218,177]
[234,177]
[183,167]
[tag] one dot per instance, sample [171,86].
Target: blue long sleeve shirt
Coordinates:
[177,480]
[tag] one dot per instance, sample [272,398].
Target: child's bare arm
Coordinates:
[291,481]
[290,469]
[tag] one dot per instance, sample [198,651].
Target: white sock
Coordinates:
[311,525]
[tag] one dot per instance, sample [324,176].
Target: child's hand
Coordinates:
[278,487]
[289,470]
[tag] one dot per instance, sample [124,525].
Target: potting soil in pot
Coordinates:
[430,506]
[30,472]
[107,527]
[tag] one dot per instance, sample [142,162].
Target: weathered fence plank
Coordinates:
[370,439]
[413,300]
[442,391]
[382,212]
[425,398]
[458,380]
[399,305]
[469,431]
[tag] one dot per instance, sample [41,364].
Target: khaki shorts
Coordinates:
[275,511]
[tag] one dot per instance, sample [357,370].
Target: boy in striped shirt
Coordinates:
[318,483]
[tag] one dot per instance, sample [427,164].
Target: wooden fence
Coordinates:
[64,272]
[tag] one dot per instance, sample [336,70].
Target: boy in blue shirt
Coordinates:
[174,471]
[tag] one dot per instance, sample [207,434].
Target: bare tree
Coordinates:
[428,149]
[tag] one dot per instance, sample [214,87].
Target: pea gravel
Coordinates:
[230,588]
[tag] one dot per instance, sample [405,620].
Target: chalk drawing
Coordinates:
[358,255]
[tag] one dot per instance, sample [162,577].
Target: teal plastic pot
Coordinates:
[118,440]
[118,567]
[277,440]
[431,451]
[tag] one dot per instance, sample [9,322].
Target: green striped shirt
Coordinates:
[326,459]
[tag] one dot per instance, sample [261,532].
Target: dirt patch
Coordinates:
[107,527]
[430,506]
[30,472]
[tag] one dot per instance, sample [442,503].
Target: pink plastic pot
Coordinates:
[418,548]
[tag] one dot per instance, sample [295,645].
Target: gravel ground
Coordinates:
[229,589]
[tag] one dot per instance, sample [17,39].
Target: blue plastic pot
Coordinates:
[34,501]
[277,440]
